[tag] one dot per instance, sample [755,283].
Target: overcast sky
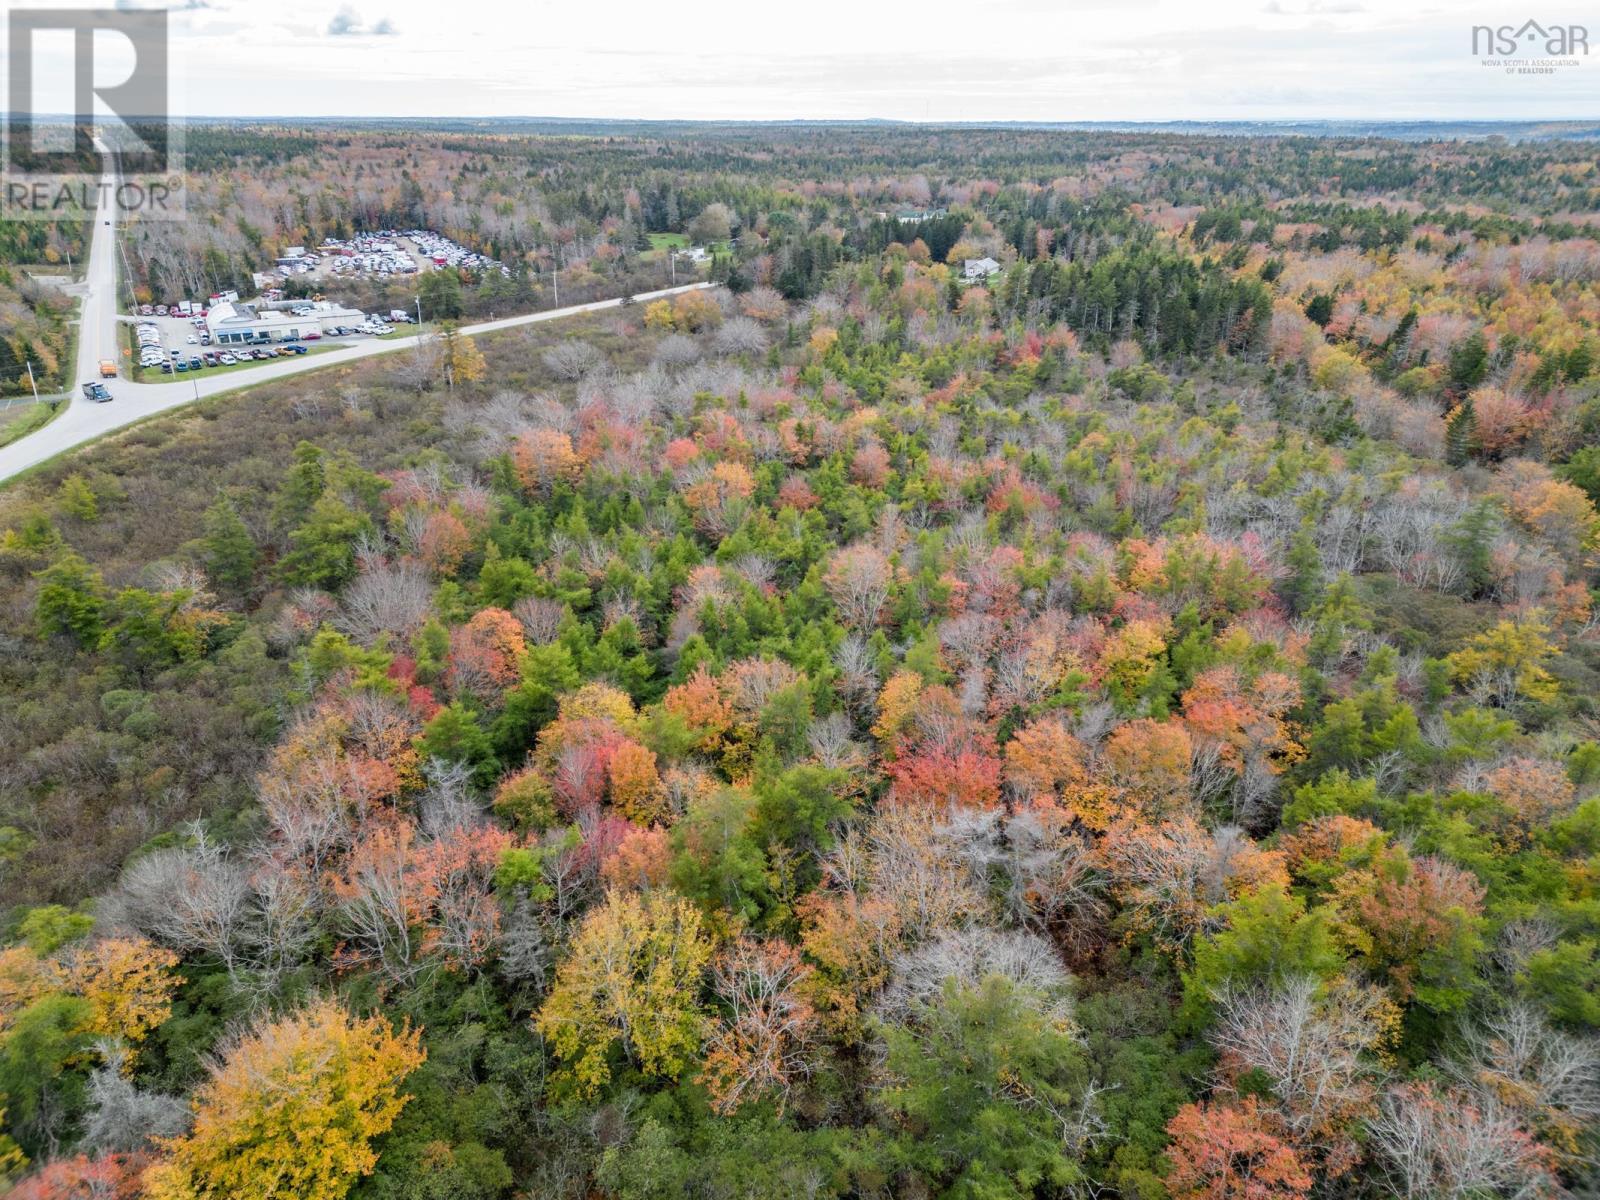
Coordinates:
[935,60]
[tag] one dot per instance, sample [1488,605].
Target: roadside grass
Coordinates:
[19,420]
[411,330]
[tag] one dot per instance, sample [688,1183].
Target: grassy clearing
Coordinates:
[19,420]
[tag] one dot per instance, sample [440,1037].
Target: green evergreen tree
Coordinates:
[1469,363]
[454,735]
[71,601]
[227,550]
[77,498]
[981,1074]
[1461,434]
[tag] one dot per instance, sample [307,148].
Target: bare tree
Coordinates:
[858,579]
[124,1118]
[858,672]
[377,902]
[677,350]
[1044,874]
[761,1047]
[422,366]
[970,955]
[525,949]
[540,618]
[572,359]
[280,920]
[831,745]
[1456,1145]
[1551,1077]
[309,809]
[449,802]
[740,335]
[192,898]
[1315,1049]
[387,597]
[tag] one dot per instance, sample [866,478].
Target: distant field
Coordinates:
[668,241]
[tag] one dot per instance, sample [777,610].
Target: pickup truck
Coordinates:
[108,369]
[97,392]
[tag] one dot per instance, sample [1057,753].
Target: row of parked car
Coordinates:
[226,358]
[150,352]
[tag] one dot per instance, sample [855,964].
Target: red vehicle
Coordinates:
[313,336]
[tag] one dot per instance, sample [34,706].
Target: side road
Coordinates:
[85,420]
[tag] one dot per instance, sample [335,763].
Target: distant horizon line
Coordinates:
[1023,122]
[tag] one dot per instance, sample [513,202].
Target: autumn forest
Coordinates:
[1068,670]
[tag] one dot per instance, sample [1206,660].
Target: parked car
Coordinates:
[166,368]
[227,359]
[293,349]
[194,364]
[182,366]
[313,336]
[192,340]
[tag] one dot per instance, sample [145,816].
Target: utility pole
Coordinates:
[419,314]
[32,382]
[672,264]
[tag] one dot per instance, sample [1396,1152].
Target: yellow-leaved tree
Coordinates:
[291,1112]
[634,976]
[463,362]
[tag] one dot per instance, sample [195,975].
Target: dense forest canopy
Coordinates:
[1116,721]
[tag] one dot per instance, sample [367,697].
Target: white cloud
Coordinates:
[1024,60]
[347,22]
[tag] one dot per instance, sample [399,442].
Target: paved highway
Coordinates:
[85,420]
[97,323]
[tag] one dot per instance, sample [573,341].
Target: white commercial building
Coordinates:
[276,321]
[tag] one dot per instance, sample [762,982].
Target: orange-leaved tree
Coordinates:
[1223,1152]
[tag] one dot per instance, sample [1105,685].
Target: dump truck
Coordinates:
[108,369]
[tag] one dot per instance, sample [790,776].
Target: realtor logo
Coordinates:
[1530,40]
[80,82]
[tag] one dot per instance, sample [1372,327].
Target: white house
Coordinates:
[979,268]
